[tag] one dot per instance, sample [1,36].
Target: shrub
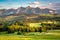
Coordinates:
[19,33]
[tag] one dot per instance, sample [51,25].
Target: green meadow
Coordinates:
[51,35]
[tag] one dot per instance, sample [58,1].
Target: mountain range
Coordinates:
[27,10]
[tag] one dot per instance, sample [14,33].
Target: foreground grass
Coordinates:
[31,36]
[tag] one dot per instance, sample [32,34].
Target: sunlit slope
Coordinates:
[10,18]
[33,17]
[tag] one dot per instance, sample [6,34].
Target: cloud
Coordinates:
[50,4]
[54,6]
[35,3]
[43,7]
[1,6]
[10,6]
[31,3]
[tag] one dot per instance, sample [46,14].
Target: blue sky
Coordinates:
[24,3]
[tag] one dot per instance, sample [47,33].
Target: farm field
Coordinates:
[51,35]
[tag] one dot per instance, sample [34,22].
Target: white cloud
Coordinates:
[31,3]
[50,4]
[35,3]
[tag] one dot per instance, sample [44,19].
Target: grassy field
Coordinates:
[51,35]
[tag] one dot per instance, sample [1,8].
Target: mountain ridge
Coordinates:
[27,10]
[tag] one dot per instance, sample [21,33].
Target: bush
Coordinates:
[10,31]
[19,33]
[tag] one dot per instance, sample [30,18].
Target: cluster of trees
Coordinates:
[21,26]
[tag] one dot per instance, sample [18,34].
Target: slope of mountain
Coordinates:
[37,10]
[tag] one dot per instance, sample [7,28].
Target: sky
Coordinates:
[24,3]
